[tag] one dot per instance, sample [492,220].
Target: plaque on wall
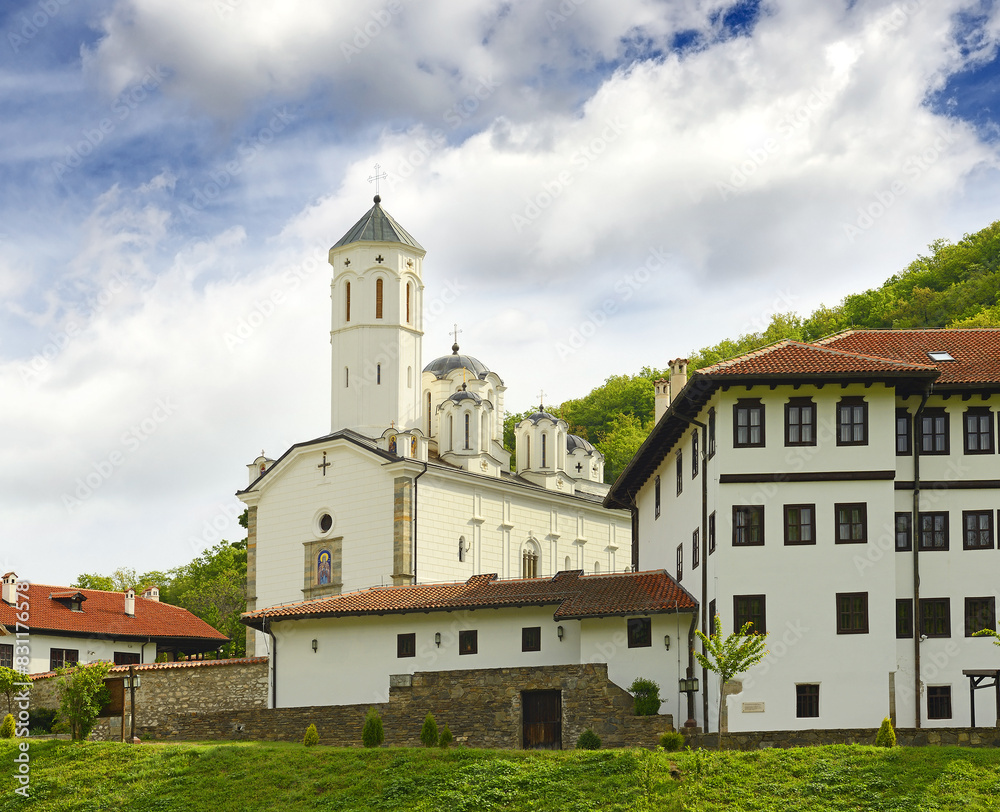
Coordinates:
[753,707]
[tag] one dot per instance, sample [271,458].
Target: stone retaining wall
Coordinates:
[909,737]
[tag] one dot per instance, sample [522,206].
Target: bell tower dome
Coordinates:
[377,326]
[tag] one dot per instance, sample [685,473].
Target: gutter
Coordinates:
[915,544]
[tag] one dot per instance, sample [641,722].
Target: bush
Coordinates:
[445,738]
[672,740]
[372,734]
[7,728]
[886,736]
[41,720]
[311,739]
[647,696]
[82,694]
[588,740]
[429,732]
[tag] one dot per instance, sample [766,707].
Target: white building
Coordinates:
[842,495]
[413,485]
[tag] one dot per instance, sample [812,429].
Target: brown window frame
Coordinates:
[656,498]
[939,702]
[807,700]
[751,511]
[694,454]
[798,525]
[926,629]
[6,655]
[711,433]
[749,406]
[977,620]
[838,524]
[851,627]
[347,301]
[852,403]
[126,657]
[531,638]
[680,563]
[379,295]
[711,532]
[61,659]
[744,610]
[906,434]
[639,631]
[798,424]
[933,515]
[680,472]
[406,644]
[978,531]
[935,414]
[907,531]
[990,439]
[695,548]
[468,641]
[904,618]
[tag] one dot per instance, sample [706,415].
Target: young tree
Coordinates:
[729,656]
[82,694]
[989,633]
[8,685]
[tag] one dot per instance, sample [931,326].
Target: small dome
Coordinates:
[458,397]
[541,414]
[446,363]
[573,442]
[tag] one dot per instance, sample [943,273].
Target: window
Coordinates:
[800,422]
[980,613]
[347,377]
[748,424]
[451,433]
[940,355]
[852,613]
[461,548]
[852,523]
[680,561]
[711,433]
[694,454]
[903,433]
[695,548]
[63,658]
[6,655]
[430,416]
[800,524]
[378,374]
[126,658]
[934,432]
[852,422]
[978,526]
[680,473]
[939,702]
[904,532]
[640,632]
[935,617]
[531,638]
[409,287]
[748,525]
[904,618]
[468,642]
[378,298]
[347,301]
[806,701]
[467,421]
[933,530]
[406,645]
[543,450]
[711,533]
[529,561]
[749,609]
[656,498]
[979,431]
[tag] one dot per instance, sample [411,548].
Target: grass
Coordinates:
[246,777]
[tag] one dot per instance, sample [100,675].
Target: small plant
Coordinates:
[886,736]
[372,734]
[311,739]
[588,740]
[7,728]
[445,739]
[429,732]
[672,740]
[647,696]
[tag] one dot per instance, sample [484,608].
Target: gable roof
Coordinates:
[787,357]
[573,594]
[377,225]
[103,613]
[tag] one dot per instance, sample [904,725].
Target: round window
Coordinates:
[325,523]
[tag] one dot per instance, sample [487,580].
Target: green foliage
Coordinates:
[672,740]
[41,720]
[445,741]
[647,696]
[782,325]
[8,685]
[372,734]
[7,727]
[429,732]
[886,736]
[588,740]
[624,436]
[311,739]
[592,416]
[82,694]
[989,633]
[731,655]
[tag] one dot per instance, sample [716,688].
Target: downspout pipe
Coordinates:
[690,670]
[274,662]
[915,544]
[413,531]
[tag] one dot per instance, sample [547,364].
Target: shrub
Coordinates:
[429,732]
[445,738]
[886,736]
[7,728]
[672,740]
[372,734]
[588,740]
[647,696]
[82,694]
[311,739]
[41,720]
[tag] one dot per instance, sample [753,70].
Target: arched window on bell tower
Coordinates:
[347,301]
[409,288]
[543,450]
[378,298]
[430,417]
[467,422]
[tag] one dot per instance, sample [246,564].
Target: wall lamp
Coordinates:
[315,645]
[437,639]
[560,632]
[666,642]
[688,686]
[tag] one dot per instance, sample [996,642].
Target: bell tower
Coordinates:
[377,326]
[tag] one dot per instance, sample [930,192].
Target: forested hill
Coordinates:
[954,285]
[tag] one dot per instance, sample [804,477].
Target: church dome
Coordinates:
[378,226]
[446,363]
[541,414]
[573,443]
[458,397]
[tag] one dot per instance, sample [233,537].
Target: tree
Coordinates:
[429,732]
[729,656]
[619,445]
[8,685]
[989,633]
[82,694]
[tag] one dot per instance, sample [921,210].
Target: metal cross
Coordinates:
[455,333]
[324,465]
[541,400]
[377,177]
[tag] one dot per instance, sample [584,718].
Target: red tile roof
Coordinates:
[976,351]
[103,613]
[574,594]
[797,358]
[123,669]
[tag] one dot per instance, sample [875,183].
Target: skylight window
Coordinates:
[940,355]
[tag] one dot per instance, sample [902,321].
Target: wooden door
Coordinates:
[542,720]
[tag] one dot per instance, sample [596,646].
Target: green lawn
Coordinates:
[247,777]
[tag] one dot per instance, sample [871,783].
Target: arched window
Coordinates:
[543,450]
[527,452]
[597,567]
[378,298]
[569,564]
[529,560]
[347,301]
[408,288]
[323,563]
[484,434]
[378,374]
[451,432]
[467,421]
[409,377]
[429,415]
[461,548]
[347,377]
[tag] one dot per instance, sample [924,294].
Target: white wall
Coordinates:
[91,649]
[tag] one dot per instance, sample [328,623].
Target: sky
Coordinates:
[599,187]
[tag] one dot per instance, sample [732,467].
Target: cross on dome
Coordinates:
[376,178]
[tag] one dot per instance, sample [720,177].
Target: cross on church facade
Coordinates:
[579,467]
[324,465]
[377,177]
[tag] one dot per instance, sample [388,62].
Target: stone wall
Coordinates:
[909,737]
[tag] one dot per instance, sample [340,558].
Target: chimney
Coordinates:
[151,593]
[10,588]
[130,602]
[662,400]
[678,376]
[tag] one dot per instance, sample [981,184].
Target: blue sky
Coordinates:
[599,187]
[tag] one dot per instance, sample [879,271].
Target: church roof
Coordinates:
[574,442]
[574,595]
[541,414]
[442,366]
[458,397]
[378,226]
